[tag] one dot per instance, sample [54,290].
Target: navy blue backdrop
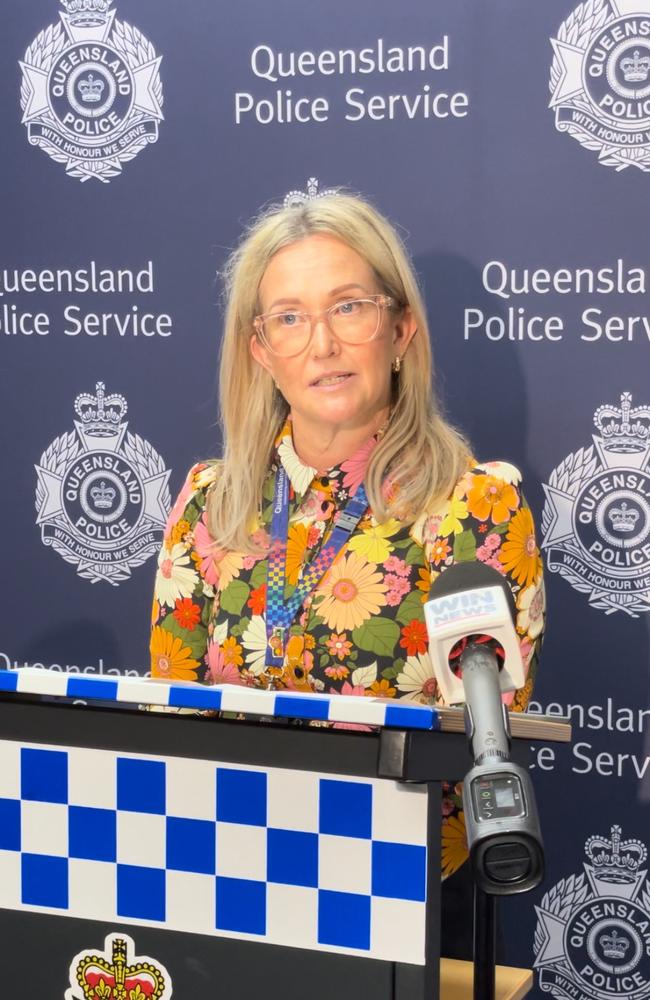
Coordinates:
[510,141]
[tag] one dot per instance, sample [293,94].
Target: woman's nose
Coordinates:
[323,342]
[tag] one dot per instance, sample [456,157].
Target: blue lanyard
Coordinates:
[280,613]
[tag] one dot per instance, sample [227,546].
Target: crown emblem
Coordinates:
[615,860]
[625,429]
[103,496]
[113,979]
[100,415]
[635,69]
[91,89]
[87,13]
[623,518]
[614,946]
[295,199]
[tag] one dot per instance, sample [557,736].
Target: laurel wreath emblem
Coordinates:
[146,461]
[560,901]
[578,30]
[136,50]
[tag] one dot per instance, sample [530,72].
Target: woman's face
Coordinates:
[331,383]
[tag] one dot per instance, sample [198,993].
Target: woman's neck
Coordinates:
[323,446]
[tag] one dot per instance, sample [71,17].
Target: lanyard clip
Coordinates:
[276,642]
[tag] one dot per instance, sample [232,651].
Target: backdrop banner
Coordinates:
[509,140]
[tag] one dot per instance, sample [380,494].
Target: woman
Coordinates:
[327,406]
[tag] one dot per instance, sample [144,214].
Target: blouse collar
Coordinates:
[344,478]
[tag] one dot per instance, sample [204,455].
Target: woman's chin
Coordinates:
[331,413]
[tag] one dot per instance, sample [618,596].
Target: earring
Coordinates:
[396,365]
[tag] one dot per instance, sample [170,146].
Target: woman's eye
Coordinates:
[347,308]
[289,319]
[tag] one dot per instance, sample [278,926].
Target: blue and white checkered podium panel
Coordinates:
[311,860]
[345,709]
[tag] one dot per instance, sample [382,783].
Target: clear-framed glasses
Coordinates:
[353,321]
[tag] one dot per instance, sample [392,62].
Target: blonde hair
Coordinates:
[420,451]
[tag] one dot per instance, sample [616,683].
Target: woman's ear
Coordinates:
[260,354]
[404,330]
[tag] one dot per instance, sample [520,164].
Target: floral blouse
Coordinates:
[362,630]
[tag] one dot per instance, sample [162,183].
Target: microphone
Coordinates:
[471,606]
[471,599]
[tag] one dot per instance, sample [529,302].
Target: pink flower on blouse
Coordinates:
[261,538]
[398,586]
[347,688]
[207,552]
[526,648]
[220,672]
[355,467]
[486,557]
[181,501]
[395,565]
[447,806]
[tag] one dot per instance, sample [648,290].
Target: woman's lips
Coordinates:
[331,380]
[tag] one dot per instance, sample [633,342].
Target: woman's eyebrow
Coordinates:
[334,291]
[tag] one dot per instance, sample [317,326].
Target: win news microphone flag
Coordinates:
[471,600]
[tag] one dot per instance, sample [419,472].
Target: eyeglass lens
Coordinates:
[353,321]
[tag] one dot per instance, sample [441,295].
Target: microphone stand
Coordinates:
[487,731]
[485,944]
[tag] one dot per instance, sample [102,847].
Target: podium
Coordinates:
[151,854]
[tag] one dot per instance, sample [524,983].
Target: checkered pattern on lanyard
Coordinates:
[280,613]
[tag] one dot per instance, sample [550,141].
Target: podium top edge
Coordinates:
[549,728]
[341,710]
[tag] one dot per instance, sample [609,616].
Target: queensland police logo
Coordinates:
[91,93]
[600,80]
[102,496]
[117,973]
[592,940]
[596,519]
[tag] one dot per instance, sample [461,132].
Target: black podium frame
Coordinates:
[202,965]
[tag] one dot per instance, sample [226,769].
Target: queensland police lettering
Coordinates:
[592,940]
[91,92]
[102,496]
[596,519]
[600,80]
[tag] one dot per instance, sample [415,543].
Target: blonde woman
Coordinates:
[327,406]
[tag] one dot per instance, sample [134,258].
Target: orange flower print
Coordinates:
[179,531]
[232,652]
[296,549]
[439,551]
[454,843]
[424,583]
[170,658]
[381,689]
[353,593]
[414,637]
[257,600]
[186,613]
[491,497]
[519,553]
